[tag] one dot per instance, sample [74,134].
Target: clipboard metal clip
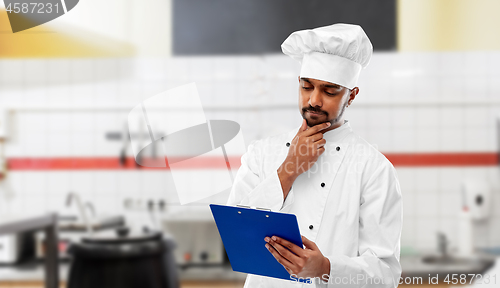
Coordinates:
[265,209]
[249,207]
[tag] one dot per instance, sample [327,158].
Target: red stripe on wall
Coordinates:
[112,163]
[107,163]
[443,159]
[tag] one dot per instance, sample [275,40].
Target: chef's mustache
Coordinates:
[312,109]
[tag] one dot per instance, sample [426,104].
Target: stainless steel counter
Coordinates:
[34,271]
[48,223]
[433,265]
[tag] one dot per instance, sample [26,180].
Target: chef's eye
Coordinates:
[330,94]
[306,88]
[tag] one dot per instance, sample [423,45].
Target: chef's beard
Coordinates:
[332,122]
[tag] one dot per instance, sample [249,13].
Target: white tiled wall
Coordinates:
[411,102]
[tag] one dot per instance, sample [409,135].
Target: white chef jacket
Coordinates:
[349,203]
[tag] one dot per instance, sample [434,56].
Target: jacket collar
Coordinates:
[338,133]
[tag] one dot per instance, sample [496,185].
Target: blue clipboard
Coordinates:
[243,231]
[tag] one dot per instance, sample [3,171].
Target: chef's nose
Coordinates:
[315,99]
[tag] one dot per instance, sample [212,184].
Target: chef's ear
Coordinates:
[298,77]
[352,95]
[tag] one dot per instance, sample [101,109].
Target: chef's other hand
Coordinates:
[303,152]
[307,262]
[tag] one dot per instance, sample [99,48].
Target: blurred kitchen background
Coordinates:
[429,100]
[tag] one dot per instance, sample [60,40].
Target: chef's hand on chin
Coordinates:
[303,152]
[305,148]
[308,262]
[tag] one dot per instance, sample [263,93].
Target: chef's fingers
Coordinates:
[289,245]
[316,128]
[316,137]
[309,244]
[282,260]
[320,143]
[285,253]
[321,150]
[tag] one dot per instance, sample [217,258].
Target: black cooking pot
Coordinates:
[123,261]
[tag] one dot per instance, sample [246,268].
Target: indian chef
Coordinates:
[345,193]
